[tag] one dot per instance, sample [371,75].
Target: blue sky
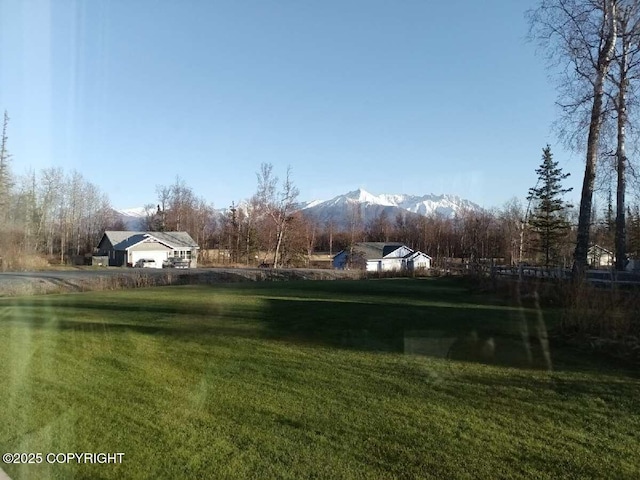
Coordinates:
[392,96]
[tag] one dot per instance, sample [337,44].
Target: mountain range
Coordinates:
[340,208]
[132,218]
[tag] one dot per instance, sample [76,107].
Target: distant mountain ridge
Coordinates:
[132,218]
[339,208]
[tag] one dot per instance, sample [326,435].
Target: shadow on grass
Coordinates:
[377,316]
[484,335]
[125,307]
[396,290]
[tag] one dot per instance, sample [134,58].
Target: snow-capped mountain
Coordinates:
[137,212]
[133,218]
[339,209]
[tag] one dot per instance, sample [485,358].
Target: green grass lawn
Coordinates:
[343,379]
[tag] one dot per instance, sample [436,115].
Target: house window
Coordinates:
[189,254]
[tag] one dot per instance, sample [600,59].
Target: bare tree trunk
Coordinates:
[62,245]
[248,244]
[621,160]
[278,205]
[5,181]
[310,237]
[621,157]
[276,255]
[605,56]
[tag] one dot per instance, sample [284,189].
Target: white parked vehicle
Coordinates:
[145,263]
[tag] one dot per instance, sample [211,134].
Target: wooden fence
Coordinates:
[607,277]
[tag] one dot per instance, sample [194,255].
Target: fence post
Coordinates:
[520,272]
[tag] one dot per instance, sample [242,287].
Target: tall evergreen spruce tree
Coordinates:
[548,218]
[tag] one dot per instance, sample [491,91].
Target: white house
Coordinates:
[600,257]
[381,257]
[127,247]
[418,261]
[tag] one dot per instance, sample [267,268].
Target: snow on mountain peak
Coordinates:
[337,208]
[133,212]
[362,196]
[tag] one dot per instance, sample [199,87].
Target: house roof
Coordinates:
[391,247]
[130,241]
[414,255]
[599,249]
[123,239]
[375,250]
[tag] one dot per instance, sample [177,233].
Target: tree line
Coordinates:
[54,216]
[267,227]
[49,214]
[594,45]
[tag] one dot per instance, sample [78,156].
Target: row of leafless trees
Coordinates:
[268,229]
[58,215]
[267,224]
[50,213]
[251,234]
[180,209]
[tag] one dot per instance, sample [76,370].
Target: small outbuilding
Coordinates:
[381,257]
[130,248]
[600,257]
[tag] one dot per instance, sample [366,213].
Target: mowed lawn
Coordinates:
[335,379]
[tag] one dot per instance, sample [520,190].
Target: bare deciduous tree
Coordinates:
[277,204]
[623,77]
[5,173]
[179,209]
